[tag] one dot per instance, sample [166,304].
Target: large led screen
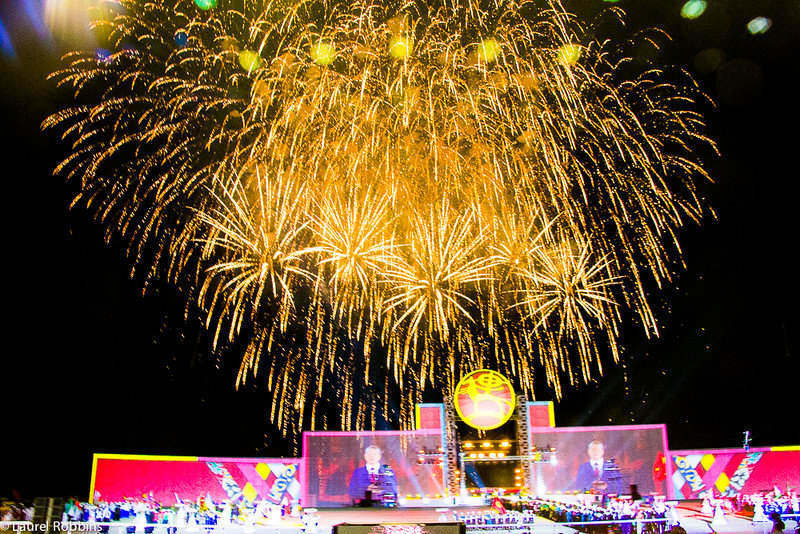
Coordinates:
[605,459]
[734,472]
[116,477]
[337,461]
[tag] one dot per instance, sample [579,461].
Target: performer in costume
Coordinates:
[372,482]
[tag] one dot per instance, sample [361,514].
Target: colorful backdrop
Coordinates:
[731,472]
[116,477]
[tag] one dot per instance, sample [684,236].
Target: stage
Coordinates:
[690,519]
[333,516]
[689,516]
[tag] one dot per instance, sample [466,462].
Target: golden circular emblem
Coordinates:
[484,399]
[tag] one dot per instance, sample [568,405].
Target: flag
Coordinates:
[497,505]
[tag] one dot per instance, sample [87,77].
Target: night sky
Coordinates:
[90,364]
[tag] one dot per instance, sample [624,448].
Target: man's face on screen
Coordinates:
[596,451]
[372,455]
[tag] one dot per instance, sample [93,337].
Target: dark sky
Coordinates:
[91,365]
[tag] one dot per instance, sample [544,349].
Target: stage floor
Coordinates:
[689,515]
[690,519]
[328,517]
[333,516]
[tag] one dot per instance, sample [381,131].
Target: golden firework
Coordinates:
[449,184]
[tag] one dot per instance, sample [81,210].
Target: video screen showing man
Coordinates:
[334,458]
[598,473]
[622,456]
[373,482]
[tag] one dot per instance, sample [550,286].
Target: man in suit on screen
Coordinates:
[597,474]
[372,481]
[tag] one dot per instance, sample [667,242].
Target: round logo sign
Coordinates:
[484,399]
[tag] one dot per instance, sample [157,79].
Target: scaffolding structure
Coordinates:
[524,440]
[454,460]
[451,451]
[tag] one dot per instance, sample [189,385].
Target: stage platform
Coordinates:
[690,519]
[333,516]
[689,515]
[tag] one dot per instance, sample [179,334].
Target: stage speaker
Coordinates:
[400,528]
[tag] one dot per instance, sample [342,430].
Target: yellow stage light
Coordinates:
[569,54]
[249,60]
[323,53]
[488,50]
[400,47]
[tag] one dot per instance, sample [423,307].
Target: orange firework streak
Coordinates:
[484,399]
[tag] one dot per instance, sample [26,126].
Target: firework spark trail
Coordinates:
[445,184]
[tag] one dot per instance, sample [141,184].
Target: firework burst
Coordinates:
[376,195]
[252,241]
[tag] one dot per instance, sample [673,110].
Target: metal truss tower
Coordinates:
[451,454]
[524,441]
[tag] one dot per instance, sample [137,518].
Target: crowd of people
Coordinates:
[618,515]
[765,505]
[15,511]
[146,516]
[623,513]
